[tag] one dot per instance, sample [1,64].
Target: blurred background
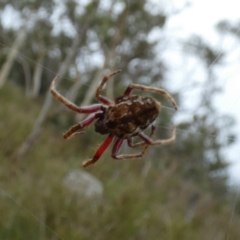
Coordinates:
[187,190]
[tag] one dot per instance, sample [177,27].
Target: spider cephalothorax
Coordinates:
[122,119]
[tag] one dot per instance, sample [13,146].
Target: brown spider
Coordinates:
[122,119]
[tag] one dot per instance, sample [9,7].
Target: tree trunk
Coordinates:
[92,90]
[38,74]
[27,74]
[73,91]
[12,55]
[48,101]
[111,65]
[62,70]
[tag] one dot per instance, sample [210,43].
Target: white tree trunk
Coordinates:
[27,74]
[12,55]
[48,101]
[38,74]
[89,96]
[74,90]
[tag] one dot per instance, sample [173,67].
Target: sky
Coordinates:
[201,17]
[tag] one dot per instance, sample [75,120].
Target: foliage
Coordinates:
[138,202]
[108,34]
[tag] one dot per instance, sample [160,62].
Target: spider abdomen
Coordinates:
[130,115]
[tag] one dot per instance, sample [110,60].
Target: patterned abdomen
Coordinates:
[131,115]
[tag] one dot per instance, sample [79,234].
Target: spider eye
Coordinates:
[111,124]
[100,127]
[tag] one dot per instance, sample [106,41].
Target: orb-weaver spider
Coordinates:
[122,119]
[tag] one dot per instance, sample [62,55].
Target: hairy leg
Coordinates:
[143,143]
[151,89]
[119,143]
[117,156]
[149,141]
[85,123]
[99,89]
[99,151]
[88,109]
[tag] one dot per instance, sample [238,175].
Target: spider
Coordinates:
[122,119]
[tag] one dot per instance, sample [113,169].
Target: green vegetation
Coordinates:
[136,204]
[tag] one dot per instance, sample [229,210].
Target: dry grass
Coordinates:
[35,205]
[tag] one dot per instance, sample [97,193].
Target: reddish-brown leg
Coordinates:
[140,144]
[117,147]
[89,109]
[149,141]
[99,89]
[99,152]
[85,123]
[151,89]
[150,136]
[119,143]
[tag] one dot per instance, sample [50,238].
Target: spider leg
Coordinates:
[89,109]
[149,141]
[99,89]
[85,123]
[151,135]
[139,144]
[99,151]
[152,89]
[117,147]
[119,143]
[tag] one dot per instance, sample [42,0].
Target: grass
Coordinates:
[136,204]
